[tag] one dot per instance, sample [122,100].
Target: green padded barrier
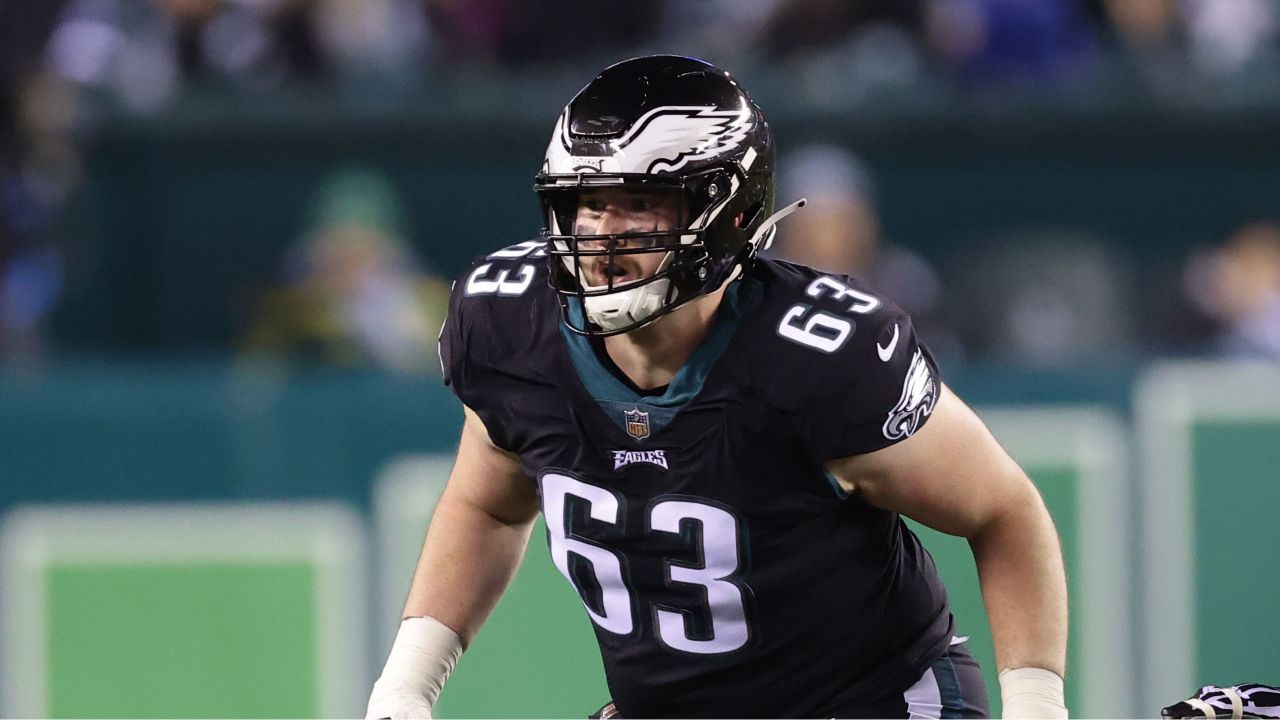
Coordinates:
[183,611]
[1210,441]
[1076,457]
[535,657]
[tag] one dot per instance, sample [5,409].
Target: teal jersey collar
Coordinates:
[612,394]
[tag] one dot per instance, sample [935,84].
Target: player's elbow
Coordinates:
[1017,513]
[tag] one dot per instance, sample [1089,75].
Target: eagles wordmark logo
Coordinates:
[582,164]
[919,395]
[637,423]
[622,458]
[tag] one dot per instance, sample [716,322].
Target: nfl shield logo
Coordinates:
[637,423]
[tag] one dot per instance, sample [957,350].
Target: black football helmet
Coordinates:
[660,123]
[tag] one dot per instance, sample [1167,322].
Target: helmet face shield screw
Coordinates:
[702,273]
[713,190]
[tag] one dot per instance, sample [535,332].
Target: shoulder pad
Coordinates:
[847,360]
[509,272]
[501,316]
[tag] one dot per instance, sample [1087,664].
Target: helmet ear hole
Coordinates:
[750,216]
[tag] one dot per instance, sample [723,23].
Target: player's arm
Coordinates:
[477,535]
[953,476]
[473,548]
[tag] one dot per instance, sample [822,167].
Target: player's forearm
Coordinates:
[1024,586]
[467,562]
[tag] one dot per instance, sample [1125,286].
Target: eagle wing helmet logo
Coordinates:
[668,138]
[663,140]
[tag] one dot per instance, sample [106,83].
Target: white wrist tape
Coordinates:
[1032,693]
[422,657]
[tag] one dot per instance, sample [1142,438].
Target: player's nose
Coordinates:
[613,222]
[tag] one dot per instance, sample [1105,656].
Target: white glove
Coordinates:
[421,659]
[1032,694]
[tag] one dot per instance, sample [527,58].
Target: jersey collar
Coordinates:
[689,379]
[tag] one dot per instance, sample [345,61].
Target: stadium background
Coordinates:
[221,435]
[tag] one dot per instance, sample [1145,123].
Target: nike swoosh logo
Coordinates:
[887,352]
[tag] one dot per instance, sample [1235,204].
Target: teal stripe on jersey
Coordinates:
[949,686]
[615,397]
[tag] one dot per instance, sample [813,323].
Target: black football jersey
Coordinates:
[725,572]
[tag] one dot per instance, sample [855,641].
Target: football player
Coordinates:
[723,446]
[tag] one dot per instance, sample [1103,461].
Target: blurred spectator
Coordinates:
[1144,23]
[798,27]
[257,44]
[1038,44]
[368,38]
[475,30]
[515,32]
[1047,300]
[840,54]
[355,296]
[38,167]
[1215,39]
[31,267]
[1226,37]
[1149,36]
[727,30]
[1238,286]
[142,52]
[839,231]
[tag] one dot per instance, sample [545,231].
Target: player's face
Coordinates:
[607,211]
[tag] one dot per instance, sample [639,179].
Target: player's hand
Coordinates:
[390,702]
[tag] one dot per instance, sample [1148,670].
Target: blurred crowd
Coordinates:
[67,64]
[144,51]
[353,292]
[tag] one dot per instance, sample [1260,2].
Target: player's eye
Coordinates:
[644,204]
[593,205]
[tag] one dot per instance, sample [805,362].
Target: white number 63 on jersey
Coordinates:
[821,330]
[719,553]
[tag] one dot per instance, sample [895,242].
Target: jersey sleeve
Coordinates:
[877,390]
[452,346]
[492,345]
[466,354]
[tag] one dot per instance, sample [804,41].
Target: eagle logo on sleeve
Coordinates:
[919,395]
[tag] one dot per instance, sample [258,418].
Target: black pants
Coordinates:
[952,687]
